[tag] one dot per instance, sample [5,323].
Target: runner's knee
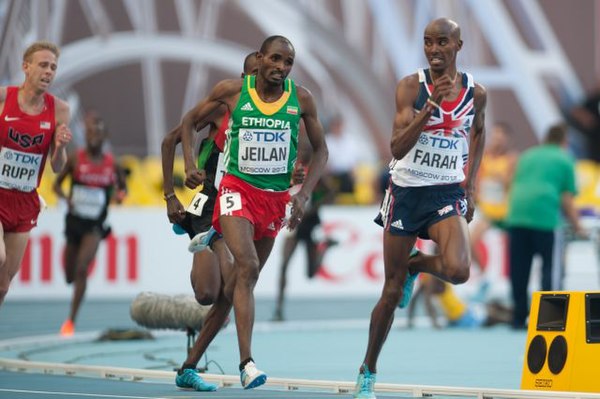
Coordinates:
[458,273]
[392,293]
[248,270]
[205,298]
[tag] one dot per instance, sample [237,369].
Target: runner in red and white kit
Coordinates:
[33,125]
[96,179]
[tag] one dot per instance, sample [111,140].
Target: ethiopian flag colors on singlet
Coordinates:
[262,139]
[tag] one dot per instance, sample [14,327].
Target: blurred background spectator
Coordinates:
[344,156]
[543,189]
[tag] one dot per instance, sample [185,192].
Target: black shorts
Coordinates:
[410,211]
[76,228]
[199,220]
[307,225]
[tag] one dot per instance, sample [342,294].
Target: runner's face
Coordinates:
[440,47]
[40,69]
[276,63]
[94,135]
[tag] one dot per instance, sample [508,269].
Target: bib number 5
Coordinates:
[230,202]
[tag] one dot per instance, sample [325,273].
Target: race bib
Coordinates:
[263,151]
[19,170]
[197,205]
[230,202]
[88,202]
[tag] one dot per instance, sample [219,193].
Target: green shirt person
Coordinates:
[542,190]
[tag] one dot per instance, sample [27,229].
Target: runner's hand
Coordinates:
[442,88]
[470,208]
[194,177]
[175,210]
[62,136]
[298,202]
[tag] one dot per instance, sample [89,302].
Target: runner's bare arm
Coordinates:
[66,171]
[220,94]
[167,151]
[316,136]
[175,210]
[407,125]
[62,136]
[476,147]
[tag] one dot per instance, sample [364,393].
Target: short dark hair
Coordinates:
[269,40]
[556,134]
[248,58]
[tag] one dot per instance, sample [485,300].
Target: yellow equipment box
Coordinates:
[563,342]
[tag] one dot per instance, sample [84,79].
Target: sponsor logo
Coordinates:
[463,206]
[398,224]
[33,221]
[247,136]
[271,226]
[11,118]
[543,383]
[247,107]
[444,143]
[445,210]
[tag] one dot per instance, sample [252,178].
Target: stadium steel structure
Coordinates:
[350,51]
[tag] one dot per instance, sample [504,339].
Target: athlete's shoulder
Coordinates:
[62,111]
[229,85]
[302,92]
[480,94]
[60,105]
[407,89]
[3,91]
[409,82]
[305,98]
[480,89]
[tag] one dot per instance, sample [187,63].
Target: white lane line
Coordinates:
[95,395]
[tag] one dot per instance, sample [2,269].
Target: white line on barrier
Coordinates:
[416,391]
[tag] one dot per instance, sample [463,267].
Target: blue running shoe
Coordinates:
[252,377]
[409,284]
[201,240]
[189,379]
[365,385]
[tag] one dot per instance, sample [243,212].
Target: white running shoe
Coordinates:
[201,240]
[252,377]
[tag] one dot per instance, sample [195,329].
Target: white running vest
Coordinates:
[442,150]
